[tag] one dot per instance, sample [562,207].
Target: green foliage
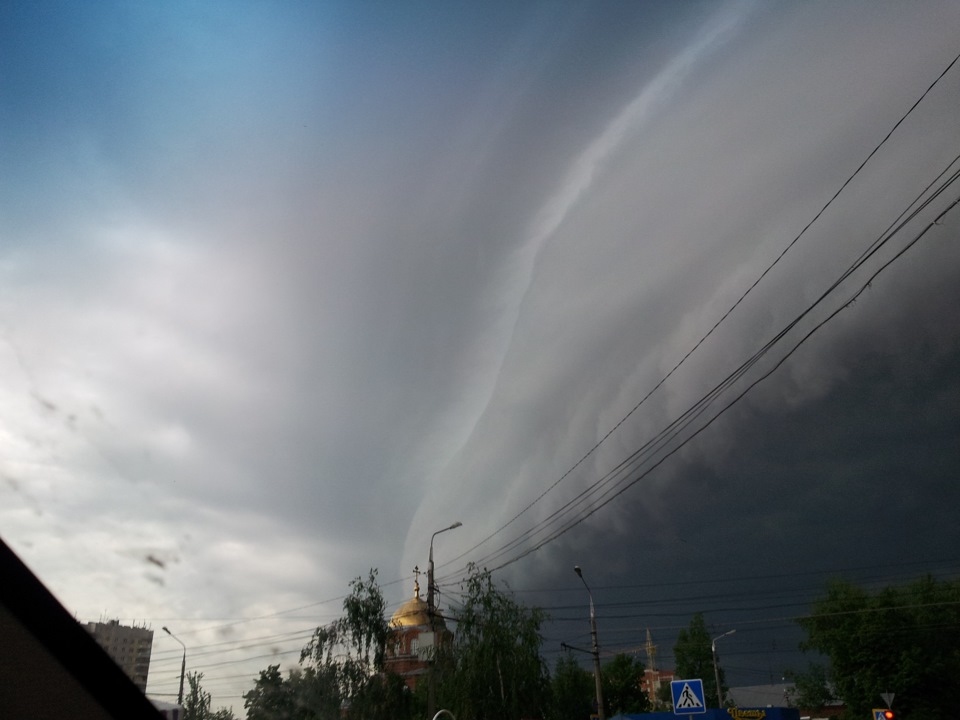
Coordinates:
[342,674]
[306,694]
[271,698]
[365,624]
[664,700]
[811,690]
[196,704]
[572,689]
[493,668]
[694,658]
[359,638]
[347,658]
[621,686]
[904,639]
[315,694]
[496,669]
[386,697]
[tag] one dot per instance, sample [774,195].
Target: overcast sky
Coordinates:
[287,287]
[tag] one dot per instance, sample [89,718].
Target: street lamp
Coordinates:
[430,601]
[431,610]
[596,646]
[716,671]
[183,663]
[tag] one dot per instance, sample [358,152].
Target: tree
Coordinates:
[271,698]
[621,686]
[811,690]
[196,705]
[903,639]
[664,699]
[694,658]
[345,662]
[315,694]
[495,667]
[306,694]
[342,672]
[572,690]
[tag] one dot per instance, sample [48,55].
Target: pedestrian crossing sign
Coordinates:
[688,697]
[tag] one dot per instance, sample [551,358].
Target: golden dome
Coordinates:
[413,612]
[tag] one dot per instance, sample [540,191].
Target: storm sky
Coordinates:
[287,287]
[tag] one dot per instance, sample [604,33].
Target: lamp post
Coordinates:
[431,611]
[596,646]
[430,589]
[183,663]
[716,671]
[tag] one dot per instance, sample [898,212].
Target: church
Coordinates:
[417,632]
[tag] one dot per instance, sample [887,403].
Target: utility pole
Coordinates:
[431,614]
[183,663]
[596,647]
[716,670]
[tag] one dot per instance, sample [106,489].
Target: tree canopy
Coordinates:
[811,690]
[903,639]
[342,670]
[694,658]
[196,704]
[621,686]
[573,690]
[495,669]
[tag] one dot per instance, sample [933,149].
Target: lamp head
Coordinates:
[578,571]
[455,525]
[166,630]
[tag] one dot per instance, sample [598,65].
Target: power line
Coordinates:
[620,479]
[717,324]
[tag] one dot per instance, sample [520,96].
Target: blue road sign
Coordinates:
[688,697]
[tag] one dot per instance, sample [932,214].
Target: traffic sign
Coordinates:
[688,697]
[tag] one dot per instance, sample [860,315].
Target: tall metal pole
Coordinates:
[596,646]
[183,663]
[430,589]
[716,671]
[431,612]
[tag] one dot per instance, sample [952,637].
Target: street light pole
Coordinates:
[716,671]
[596,646]
[430,600]
[183,663]
[431,612]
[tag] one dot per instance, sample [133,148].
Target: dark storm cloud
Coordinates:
[858,481]
[652,281]
[815,462]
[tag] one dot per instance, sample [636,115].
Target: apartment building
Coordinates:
[128,646]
